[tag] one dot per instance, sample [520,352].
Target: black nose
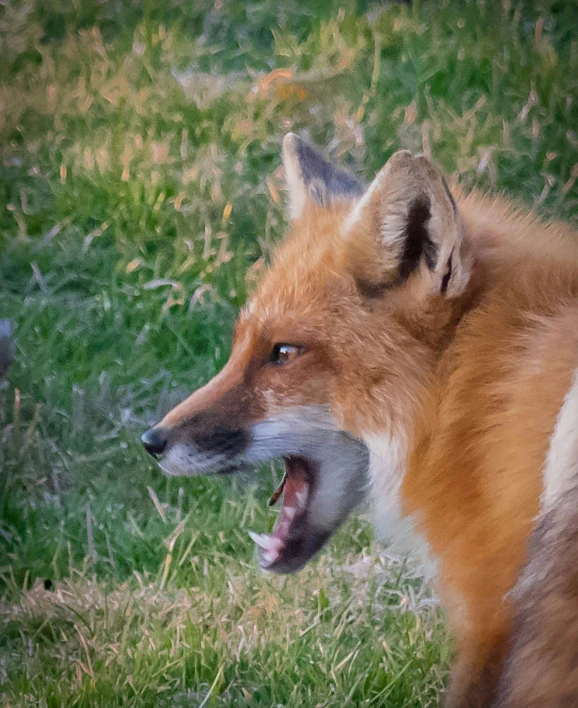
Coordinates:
[154,441]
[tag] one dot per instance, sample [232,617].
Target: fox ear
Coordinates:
[407,223]
[312,179]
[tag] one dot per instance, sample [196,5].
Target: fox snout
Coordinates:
[325,469]
[226,427]
[154,441]
[208,431]
[220,440]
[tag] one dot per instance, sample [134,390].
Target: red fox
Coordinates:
[418,345]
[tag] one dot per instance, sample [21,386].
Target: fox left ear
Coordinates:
[312,178]
[407,225]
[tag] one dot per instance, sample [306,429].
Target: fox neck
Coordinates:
[389,444]
[407,427]
[404,435]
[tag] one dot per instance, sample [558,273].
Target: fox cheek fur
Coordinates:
[420,345]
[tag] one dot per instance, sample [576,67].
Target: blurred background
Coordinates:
[140,197]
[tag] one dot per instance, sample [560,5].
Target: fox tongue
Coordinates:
[295,488]
[288,529]
[295,482]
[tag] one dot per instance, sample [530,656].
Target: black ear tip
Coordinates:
[313,176]
[313,160]
[302,149]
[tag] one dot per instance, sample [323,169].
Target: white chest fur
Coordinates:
[388,464]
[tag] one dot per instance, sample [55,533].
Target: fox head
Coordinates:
[335,348]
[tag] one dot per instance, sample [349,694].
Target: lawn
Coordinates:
[140,196]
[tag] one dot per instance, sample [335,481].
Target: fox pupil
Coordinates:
[284,353]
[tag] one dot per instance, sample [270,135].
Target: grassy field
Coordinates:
[140,194]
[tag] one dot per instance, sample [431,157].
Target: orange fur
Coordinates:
[473,380]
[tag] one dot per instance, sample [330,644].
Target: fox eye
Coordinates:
[282,354]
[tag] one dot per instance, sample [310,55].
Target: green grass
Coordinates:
[139,194]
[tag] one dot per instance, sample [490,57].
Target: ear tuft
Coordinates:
[312,178]
[417,240]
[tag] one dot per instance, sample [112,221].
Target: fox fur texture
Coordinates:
[419,345]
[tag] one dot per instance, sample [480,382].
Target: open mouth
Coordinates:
[293,540]
[325,478]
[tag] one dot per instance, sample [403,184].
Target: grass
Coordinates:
[139,197]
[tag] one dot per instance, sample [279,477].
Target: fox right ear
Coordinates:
[407,225]
[312,178]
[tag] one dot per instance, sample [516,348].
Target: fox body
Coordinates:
[419,346]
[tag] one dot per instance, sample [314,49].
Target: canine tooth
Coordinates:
[266,542]
[259,539]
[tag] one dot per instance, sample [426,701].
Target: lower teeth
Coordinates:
[269,557]
[266,542]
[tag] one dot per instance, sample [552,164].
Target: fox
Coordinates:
[416,345]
